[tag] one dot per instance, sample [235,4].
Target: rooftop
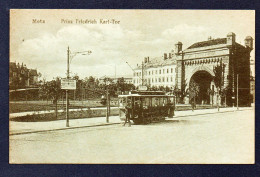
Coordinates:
[208,43]
[159,61]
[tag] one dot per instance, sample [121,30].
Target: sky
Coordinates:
[137,34]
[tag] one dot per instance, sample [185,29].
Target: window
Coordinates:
[167,70]
[171,70]
[163,79]
[152,80]
[163,71]
[159,71]
[159,79]
[155,79]
[149,72]
[167,77]
[171,79]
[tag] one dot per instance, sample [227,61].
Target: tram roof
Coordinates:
[146,93]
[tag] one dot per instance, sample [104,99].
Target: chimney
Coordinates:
[145,60]
[165,56]
[209,38]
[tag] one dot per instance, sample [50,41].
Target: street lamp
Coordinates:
[108,100]
[70,56]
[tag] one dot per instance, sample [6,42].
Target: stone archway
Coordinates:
[202,79]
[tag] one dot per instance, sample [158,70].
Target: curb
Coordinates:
[58,129]
[66,128]
[211,113]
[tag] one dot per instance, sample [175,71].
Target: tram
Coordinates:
[146,106]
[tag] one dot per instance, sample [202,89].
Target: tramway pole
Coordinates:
[67,91]
[69,58]
[237,91]
[142,72]
[108,104]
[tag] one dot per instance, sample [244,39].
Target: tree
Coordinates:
[51,89]
[218,80]
[193,90]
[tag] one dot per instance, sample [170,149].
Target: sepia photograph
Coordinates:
[92,86]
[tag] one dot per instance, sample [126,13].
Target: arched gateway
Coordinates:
[203,80]
[214,65]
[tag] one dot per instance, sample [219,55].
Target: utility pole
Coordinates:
[142,72]
[67,91]
[108,104]
[69,58]
[237,90]
[183,77]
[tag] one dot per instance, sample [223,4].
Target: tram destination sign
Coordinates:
[68,84]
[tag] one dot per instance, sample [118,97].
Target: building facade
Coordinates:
[22,77]
[198,63]
[156,72]
[125,79]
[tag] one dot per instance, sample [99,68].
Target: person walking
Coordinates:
[127,113]
[193,104]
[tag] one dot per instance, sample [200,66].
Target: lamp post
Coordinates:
[70,56]
[108,101]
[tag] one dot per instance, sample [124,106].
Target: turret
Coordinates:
[249,42]
[178,48]
[231,38]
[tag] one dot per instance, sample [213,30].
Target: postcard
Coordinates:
[89,86]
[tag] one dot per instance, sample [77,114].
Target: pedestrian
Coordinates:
[127,113]
[193,103]
[171,108]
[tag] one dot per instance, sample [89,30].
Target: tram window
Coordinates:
[122,102]
[165,101]
[155,102]
[146,101]
[160,101]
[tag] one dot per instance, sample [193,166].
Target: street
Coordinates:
[212,138]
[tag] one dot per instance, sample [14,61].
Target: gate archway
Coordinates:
[202,80]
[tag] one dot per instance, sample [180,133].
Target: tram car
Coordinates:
[146,106]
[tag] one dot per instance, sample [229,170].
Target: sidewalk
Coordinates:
[19,114]
[17,128]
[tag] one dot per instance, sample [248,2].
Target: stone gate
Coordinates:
[197,62]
